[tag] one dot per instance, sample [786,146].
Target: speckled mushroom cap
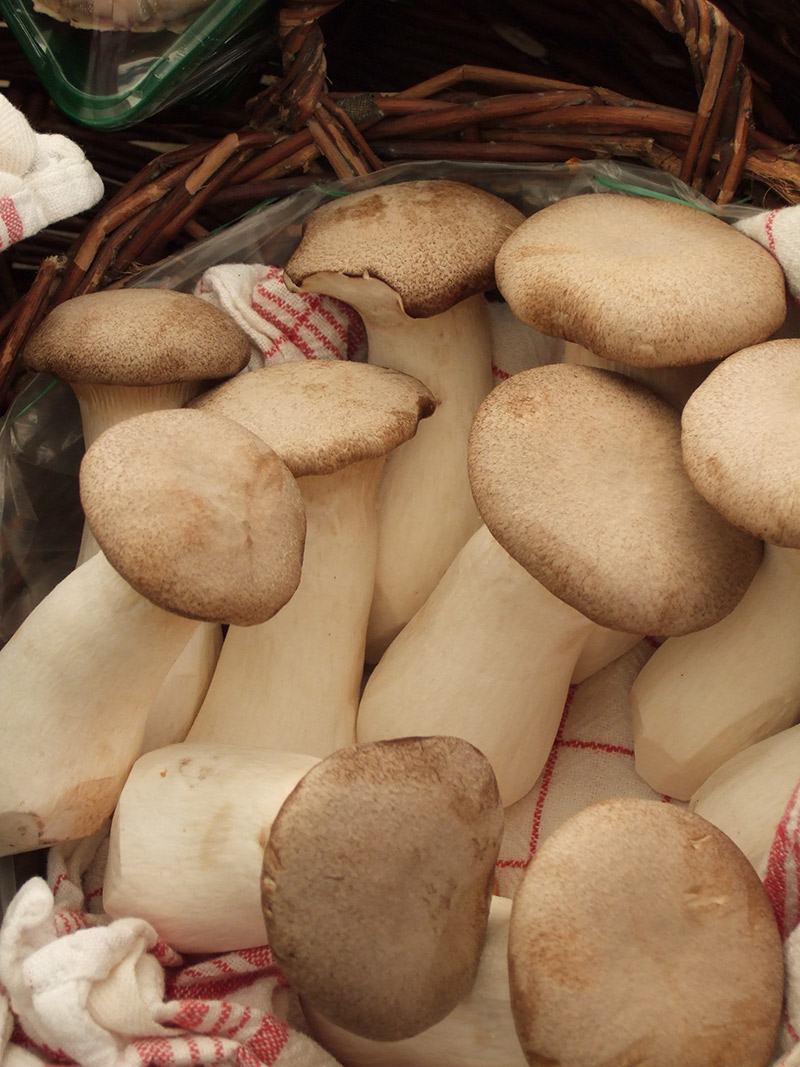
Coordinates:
[377,882]
[641,934]
[433,242]
[578,473]
[197,514]
[640,281]
[322,415]
[741,440]
[137,337]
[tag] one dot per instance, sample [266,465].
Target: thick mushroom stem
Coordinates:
[79,677]
[187,841]
[426,508]
[602,646]
[488,658]
[478,1032]
[293,682]
[703,697]
[749,795]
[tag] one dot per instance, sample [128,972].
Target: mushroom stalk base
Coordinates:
[79,677]
[705,696]
[488,658]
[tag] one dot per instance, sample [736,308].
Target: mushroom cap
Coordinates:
[433,242]
[322,415]
[641,281]
[137,337]
[578,473]
[641,934]
[197,514]
[377,882]
[741,440]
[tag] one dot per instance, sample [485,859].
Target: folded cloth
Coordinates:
[779,231]
[79,988]
[44,177]
[282,325]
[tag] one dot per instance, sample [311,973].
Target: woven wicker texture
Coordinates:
[688,87]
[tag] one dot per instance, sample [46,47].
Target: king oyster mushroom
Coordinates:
[658,290]
[704,697]
[377,882]
[415,259]
[589,519]
[124,352]
[293,683]
[640,934]
[197,520]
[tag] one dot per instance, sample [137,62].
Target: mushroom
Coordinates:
[197,519]
[704,697]
[640,934]
[578,475]
[478,1032]
[125,352]
[749,795]
[293,683]
[377,881]
[187,841]
[639,281]
[414,259]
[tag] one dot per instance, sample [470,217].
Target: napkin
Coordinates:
[44,177]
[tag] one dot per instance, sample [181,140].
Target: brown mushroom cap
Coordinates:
[322,415]
[137,337]
[197,514]
[377,882]
[641,934]
[641,281]
[433,242]
[741,440]
[578,473]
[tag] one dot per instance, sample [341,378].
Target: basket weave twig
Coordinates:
[304,125]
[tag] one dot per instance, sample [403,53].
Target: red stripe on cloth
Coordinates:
[154,1051]
[302,322]
[547,778]
[782,877]
[289,332]
[768,224]
[10,218]
[498,373]
[597,746]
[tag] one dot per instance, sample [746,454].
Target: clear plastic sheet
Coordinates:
[41,443]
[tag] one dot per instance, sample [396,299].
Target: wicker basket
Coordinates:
[695,89]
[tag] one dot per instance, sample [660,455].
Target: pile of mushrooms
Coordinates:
[412,568]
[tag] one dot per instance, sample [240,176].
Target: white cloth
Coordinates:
[44,177]
[76,987]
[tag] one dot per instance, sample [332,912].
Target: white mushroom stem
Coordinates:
[426,508]
[703,697]
[479,1032]
[184,689]
[602,646]
[293,682]
[673,384]
[187,842]
[79,677]
[488,658]
[748,796]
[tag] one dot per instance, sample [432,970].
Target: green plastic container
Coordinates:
[114,78]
